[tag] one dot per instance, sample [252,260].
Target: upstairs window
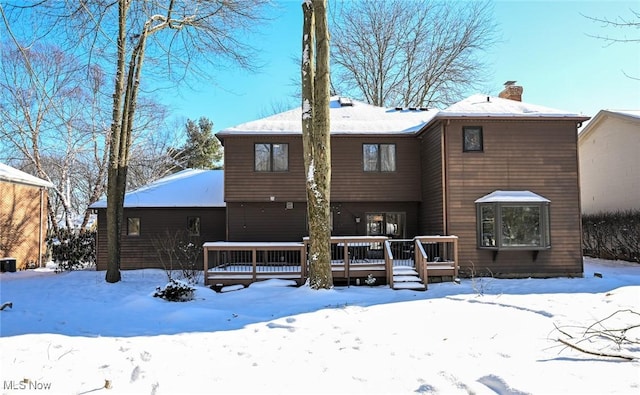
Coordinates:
[379,157]
[271,157]
[513,220]
[472,139]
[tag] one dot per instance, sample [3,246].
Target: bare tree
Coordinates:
[316,139]
[42,106]
[411,53]
[174,37]
[627,29]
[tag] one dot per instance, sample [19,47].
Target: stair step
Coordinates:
[409,285]
[404,278]
[404,271]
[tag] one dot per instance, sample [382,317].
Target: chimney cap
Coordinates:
[509,83]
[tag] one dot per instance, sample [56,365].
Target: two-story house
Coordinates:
[499,173]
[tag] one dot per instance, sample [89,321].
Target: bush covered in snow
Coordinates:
[175,291]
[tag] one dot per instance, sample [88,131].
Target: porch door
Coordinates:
[391,225]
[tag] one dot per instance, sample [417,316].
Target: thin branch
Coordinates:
[599,354]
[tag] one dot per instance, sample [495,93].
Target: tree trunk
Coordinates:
[316,141]
[115,189]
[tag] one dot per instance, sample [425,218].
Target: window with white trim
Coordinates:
[513,220]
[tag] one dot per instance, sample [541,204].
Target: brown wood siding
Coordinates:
[268,221]
[539,156]
[243,184]
[431,209]
[273,222]
[23,223]
[349,181]
[138,252]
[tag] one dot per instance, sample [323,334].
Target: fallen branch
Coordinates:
[599,354]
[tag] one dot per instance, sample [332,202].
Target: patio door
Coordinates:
[391,225]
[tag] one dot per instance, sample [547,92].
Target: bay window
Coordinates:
[513,220]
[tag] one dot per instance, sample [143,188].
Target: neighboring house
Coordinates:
[23,217]
[186,204]
[500,174]
[609,147]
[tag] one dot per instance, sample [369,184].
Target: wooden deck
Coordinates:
[401,264]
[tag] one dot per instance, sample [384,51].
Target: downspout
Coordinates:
[445,186]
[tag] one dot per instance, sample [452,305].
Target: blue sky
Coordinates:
[545,46]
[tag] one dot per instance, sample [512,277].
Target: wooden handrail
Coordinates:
[421,262]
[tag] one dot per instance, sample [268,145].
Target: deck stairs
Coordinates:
[406,277]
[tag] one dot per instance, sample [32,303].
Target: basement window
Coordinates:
[513,220]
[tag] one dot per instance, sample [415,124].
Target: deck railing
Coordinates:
[247,262]
[353,258]
[440,255]
[356,257]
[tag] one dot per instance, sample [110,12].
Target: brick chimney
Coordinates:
[511,91]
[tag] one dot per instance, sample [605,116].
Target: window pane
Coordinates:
[133,226]
[370,157]
[193,225]
[388,157]
[487,226]
[280,157]
[262,154]
[472,136]
[521,226]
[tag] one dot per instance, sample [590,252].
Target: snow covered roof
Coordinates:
[187,188]
[483,106]
[355,117]
[512,196]
[628,115]
[11,174]
[352,117]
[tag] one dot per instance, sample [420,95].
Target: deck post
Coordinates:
[303,262]
[206,265]
[254,258]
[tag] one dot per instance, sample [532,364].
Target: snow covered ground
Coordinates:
[72,333]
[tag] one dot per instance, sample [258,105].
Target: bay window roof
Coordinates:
[512,196]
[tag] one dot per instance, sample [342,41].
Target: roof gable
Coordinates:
[187,188]
[13,175]
[603,115]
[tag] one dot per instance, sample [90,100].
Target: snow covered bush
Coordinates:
[370,280]
[175,291]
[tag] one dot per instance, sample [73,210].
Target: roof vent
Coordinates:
[345,102]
